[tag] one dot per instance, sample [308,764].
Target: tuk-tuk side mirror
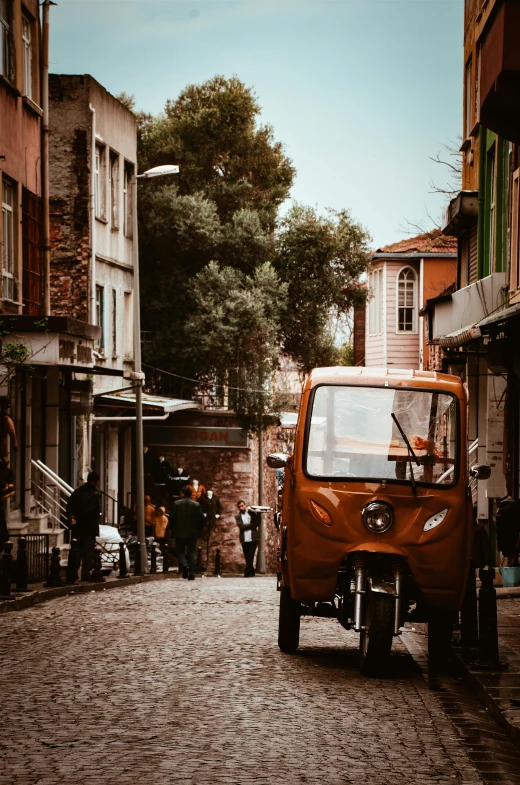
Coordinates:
[277,460]
[480,471]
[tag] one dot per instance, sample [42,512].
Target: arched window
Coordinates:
[406,301]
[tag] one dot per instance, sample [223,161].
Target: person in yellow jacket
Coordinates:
[160,524]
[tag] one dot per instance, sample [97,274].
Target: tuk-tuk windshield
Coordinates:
[358,432]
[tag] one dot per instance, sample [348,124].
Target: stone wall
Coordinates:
[232,474]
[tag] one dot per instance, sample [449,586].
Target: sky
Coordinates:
[360,92]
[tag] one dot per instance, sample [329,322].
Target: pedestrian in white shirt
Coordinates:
[248,523]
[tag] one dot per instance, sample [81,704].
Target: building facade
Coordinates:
[402,277]
[93,159]
[476,328]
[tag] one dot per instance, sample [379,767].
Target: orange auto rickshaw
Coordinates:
[376,520]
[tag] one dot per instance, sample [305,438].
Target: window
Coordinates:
[27,57]
[375,304]
[128,327]
[5,33]
[99,182]
[114,190]
[353,434]
[114,322]
[468,90]
[406,301]
[127,200]
[100,315]
[8,241]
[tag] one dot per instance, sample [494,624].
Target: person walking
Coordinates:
[187,522]
[248,523]
[83,511]
[149,513]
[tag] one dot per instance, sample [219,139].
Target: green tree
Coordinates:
[321,259]
[211,130]
[234,329]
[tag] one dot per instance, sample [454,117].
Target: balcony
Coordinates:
[500,72]
[460,213]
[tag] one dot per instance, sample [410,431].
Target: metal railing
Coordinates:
[50,494]
[38,555]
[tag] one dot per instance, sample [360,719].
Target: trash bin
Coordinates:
[510,576]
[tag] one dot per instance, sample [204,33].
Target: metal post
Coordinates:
[5,571]
[21,565]
[97,572]
[260,559]
[166,558]
[217,563]
[153,558]
[123,572]
[138,570]
[54,578]
[487,618]
[469,612]
[139,441]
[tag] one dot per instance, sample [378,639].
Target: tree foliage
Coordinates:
[225,283]
[321,259]
[234,329]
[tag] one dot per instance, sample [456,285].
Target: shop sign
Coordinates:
[187,436]
[55,349]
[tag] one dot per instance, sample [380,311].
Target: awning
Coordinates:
[160,406]
[468,334]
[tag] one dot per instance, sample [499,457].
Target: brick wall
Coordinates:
[232,474]
[69,166]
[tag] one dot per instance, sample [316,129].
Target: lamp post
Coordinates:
[138,375]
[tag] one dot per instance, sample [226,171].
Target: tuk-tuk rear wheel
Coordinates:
[288,622]
[375,640]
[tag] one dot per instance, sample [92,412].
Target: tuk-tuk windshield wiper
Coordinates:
[411,452]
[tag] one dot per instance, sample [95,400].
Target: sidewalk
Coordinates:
[39,593]
[499,688]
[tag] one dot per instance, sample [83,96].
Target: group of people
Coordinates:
[194,510]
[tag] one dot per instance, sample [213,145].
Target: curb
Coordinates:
[479,689]
[18,603]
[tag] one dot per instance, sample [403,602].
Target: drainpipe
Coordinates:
[93,220]
[46,5]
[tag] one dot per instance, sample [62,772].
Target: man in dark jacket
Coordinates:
[248,523]
[186,522]
[83,511]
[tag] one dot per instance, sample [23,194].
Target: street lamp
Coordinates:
[138,375]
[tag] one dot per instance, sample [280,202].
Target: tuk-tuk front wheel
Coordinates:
[375,642]
[288,622]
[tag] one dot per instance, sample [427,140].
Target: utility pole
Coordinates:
[138,376]
[260,561]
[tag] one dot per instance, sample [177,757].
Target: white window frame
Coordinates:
[101,316]
[375,303]
[100,167]
[414,307]
[128,228]
[8,241]
[113,184]
[128,326]
[114,324]
[27,56]
[5,49]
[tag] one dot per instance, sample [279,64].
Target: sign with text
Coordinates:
[188,436]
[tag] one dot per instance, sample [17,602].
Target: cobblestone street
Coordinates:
[172,681]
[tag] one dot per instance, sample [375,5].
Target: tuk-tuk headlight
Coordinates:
[378,517]
[434,520]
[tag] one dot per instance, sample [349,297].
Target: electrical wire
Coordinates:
[198,381]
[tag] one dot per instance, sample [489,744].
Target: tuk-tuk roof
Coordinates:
[382,377]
